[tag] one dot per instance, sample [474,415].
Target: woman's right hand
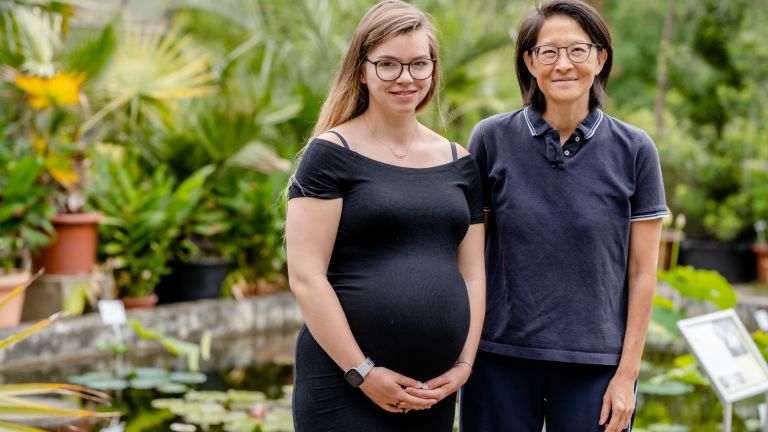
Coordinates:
[385,388]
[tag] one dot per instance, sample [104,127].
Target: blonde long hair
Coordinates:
[348,96]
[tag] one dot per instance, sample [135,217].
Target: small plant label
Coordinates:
[112,312]
[761,317]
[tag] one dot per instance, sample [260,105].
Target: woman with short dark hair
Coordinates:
[574,200]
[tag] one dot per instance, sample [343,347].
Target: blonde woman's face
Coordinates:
[394,90]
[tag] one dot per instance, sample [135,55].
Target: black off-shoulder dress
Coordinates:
[394,270]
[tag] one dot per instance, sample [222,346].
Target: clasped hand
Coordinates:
[397,393]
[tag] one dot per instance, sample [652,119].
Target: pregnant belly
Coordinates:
[413,322]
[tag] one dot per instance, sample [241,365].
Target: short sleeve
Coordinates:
[478,151]
[648,201]
[473,191]
[319,173]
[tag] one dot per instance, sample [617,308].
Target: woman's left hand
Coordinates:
[440,387]
[618,404]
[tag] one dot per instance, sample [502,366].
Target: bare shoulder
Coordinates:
[330,137]
[461,150]
[440,142]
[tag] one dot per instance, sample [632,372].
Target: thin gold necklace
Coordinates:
[398,156]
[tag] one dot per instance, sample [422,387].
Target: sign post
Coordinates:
[729,357]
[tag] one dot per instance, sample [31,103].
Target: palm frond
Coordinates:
[151,71]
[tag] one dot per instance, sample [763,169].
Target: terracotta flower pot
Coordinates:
[10,315]
[146,302]
[73,250]
[761,253]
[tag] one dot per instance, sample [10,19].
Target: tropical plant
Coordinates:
[144,215]
[14,398]
[25,208]
[47,107]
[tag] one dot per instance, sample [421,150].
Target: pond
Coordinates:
[247,385]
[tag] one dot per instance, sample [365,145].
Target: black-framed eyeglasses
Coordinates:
[390,70]
[577,52]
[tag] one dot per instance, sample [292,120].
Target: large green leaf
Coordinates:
[697,284]
[21,177]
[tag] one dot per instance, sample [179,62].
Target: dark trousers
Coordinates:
[507,394]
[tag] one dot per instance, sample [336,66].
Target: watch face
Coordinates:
[353,377]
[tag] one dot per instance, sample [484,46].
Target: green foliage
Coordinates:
[15,398]
[143,216]
[177,347]
[229,411]
[714,129]
[704,285]
[25,208]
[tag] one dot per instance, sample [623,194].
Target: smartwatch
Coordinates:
[356,375]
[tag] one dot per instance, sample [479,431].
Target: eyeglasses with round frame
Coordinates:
[577,52]
[390,69]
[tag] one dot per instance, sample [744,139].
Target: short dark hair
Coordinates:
[589,20]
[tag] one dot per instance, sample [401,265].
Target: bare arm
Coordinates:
[619,400]
[311,228]
[471,263]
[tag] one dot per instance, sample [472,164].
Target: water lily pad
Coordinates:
[166,403]
[206,396]
[668,428]
[146,383]
[188,377]
[172,388]
[246,396]
[145,372]
[665,388]
[108,385]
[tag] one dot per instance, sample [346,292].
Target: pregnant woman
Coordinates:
[385,238]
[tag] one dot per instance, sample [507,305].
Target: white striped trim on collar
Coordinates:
[589,134]
[597,123]
[528,121]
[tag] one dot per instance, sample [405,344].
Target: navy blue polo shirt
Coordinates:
[558,232]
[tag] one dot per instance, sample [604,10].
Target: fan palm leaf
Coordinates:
[151,72]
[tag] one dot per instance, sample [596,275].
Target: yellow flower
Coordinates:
[60,89]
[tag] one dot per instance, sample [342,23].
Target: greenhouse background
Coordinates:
[159,136]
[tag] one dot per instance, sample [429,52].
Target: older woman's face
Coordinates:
[565,82]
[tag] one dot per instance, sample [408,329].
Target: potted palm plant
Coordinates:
[25,223]
[143,215]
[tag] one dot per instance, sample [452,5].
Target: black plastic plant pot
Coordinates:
[190,281]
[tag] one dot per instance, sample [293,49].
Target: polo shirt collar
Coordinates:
[587,128]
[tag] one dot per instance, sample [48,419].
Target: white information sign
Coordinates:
[725,349]
[112,312]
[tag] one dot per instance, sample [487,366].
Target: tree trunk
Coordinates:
[662,66]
